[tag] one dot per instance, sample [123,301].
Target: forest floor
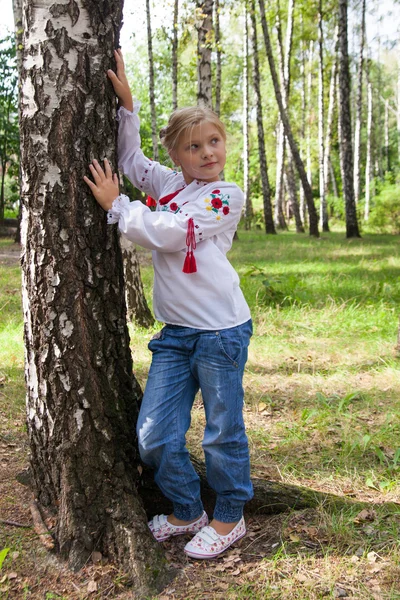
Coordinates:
[322,411]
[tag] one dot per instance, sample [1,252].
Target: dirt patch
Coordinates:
[10,256]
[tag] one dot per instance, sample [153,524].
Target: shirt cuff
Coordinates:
[120,204]
[123,112]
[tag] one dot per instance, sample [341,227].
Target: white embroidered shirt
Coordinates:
[209,298]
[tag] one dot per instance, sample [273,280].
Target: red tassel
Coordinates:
[150,201]
[189,266]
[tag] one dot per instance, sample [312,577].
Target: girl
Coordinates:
[204,342]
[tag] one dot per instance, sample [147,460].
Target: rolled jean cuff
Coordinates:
[226,512]
[187,512]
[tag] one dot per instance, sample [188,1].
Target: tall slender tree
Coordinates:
[218,48]
[266,189]
[279,215]
[175,56]
[82,399]
[331,108]
[248,205]
[154,131]
[204,46]
[323,213]
[368,160]
[313,217]
[285,86]
[357,134]
[352,229]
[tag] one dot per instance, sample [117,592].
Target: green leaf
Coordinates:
[3,554]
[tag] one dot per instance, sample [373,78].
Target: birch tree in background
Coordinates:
[154,131]
[345,126]
[279,215]
[248,206]
[331,108]
[218,47]
[368,160]
[309,108]
[18,29]
[82,398]
[285,59]
[357,133]
[204,26]
[398,107]
[175,57]
[303,108]
[323,213]
[312,213]
[266,189]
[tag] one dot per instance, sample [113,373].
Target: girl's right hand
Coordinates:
[120,82]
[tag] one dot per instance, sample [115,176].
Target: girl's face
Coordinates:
[200,153]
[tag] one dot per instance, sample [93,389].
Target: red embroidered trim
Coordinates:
[169,197]
[150,201]
[189,266]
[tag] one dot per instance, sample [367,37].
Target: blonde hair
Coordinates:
[187,118]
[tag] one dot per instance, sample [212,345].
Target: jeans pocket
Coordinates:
[231,346]
[157,337]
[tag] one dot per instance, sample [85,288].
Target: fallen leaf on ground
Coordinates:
[92,587]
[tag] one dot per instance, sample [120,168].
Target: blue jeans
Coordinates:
[184,360]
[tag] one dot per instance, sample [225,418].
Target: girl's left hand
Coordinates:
[105,187]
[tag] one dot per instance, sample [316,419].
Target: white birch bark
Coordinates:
[368,160]
[218,75]
[248,208]
[398,108]
[204,26]
[323,216]
[331,107]
[303,111]
[309,108]
[154,132]
[175,57]
[358,111]
[387,158]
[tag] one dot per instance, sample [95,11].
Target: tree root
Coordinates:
[39,526]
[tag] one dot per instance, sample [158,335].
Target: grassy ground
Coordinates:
[322,410]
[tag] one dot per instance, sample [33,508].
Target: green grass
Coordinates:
[322,399]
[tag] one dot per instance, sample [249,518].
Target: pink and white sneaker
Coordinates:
[208,543]
[162,529]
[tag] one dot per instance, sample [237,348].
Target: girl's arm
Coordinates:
[146,175]
[216,210]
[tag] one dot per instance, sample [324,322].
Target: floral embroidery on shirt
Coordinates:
[172,207]
[217,203]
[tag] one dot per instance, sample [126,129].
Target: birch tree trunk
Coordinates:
[218,46]
[331,107]
[248,207]
[290,172]
[313,217]
[82,399]
[204,45]
[368,161]
[303,110]
[154,132]
[398,108]
[137,308]
[17,12]
[175,57]
[309,106]
[345,126]
[387,157]
[267,205]
[323,213]
[357,134]
[279,214]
